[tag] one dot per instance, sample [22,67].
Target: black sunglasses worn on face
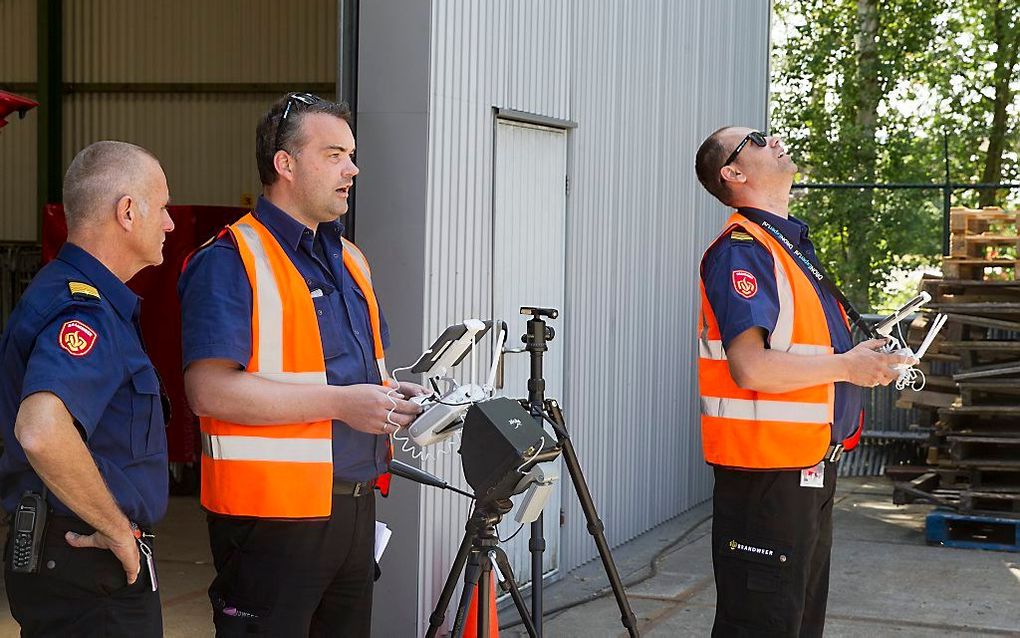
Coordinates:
[292,100]
[754,136]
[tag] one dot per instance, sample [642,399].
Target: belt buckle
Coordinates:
[837,453]
[357,490]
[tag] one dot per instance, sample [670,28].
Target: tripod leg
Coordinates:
[472,573]
[438,616]
[484,585]
[537,547]
[505,576]
[595,526]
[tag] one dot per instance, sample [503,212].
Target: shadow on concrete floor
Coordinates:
[885,580]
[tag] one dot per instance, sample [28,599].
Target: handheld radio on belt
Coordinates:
[815,271]
[29,526]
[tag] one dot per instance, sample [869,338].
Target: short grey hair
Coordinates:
[99,175]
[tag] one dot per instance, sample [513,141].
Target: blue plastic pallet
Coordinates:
[951,529]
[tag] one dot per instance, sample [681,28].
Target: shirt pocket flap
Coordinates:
[321,286]
[145,381]
[359,292]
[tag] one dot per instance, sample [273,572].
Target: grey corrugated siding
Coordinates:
[199,41]
[206,141]
[18,169]
[645,81]
[18,46]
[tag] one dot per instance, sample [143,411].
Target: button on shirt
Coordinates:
[736,313]
[216,306]
[89,353]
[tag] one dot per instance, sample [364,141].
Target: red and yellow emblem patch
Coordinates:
[76,338]
[745,284]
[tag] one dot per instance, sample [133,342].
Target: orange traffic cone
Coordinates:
[471,624]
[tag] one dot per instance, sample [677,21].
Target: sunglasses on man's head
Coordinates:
[293,100]
[754,136]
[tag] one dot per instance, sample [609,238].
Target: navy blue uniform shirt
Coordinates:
[736,313]
[216,305]
[89,353]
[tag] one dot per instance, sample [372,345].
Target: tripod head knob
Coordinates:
[550,334]
[538,313]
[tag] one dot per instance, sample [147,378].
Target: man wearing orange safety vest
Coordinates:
[283,344]
[780,385]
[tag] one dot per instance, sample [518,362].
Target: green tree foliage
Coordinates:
[862,92]
[979,82]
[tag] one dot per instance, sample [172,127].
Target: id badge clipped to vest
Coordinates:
[813,476]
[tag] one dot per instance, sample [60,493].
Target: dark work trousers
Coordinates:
[295,578]
[81,592]
[771,540]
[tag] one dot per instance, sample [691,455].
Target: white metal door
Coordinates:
[529,269]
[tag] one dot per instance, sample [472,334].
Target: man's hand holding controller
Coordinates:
[868,364]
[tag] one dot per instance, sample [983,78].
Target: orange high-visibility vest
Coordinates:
[279,471]
[756,430]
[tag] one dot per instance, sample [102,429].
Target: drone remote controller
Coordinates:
[442,416]
[910,377]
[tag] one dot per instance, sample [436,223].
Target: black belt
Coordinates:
[348,488]
[834,453]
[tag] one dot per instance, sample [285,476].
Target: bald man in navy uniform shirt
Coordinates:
[81,409]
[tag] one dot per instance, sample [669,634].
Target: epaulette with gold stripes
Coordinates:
[83,291]
[739,235]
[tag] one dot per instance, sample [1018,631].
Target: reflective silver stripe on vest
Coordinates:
[713,349]
[782,334]
[761,410]
[362,264]
[270,305]
[359,258]
[307,378]
[384,374]
[224,447]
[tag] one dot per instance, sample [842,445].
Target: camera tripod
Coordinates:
[479,553]
[541,408]
[478,556]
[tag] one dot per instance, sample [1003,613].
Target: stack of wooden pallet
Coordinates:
[983,244]
[972,396]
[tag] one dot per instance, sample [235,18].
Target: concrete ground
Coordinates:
[885,580]
[184,569]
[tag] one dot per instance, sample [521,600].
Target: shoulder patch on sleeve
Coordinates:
[81,290]
[739,235]
[76,338]
[744,283]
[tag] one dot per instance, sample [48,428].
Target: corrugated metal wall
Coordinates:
[484,54]
[206,142]
[219,56]
[200,41]
[18,139]
[18,41]
[645,80]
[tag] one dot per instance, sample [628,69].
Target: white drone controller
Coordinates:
[910,377]
[443,415]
